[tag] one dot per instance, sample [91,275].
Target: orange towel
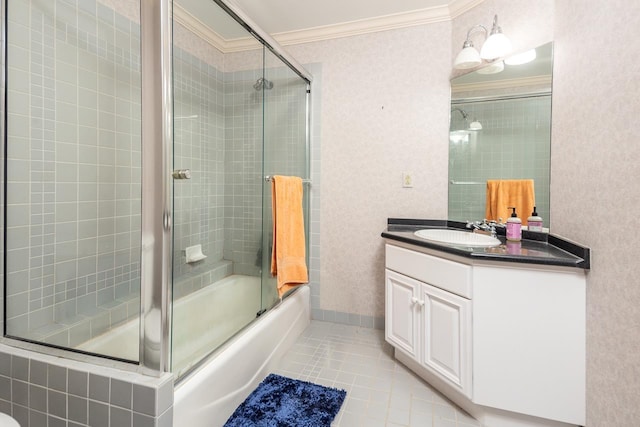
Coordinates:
[505,193]
[288,257]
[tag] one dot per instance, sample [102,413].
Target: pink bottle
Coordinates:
[514,227]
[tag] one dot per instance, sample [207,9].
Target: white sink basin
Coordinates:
[458,238]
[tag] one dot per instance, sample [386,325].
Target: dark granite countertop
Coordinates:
[535,248]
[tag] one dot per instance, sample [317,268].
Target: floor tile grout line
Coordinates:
[325,353]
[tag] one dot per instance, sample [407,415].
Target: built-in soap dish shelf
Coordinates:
[194,254]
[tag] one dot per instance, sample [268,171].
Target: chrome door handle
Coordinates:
[181,174]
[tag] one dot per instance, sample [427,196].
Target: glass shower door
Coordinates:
[218,210]
[285,151]
[73,169]
[239,115]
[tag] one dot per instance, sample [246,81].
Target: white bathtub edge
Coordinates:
[210,395]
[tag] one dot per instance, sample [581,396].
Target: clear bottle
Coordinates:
[514,227]
[534,222]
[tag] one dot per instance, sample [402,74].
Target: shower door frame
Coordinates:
[157,190]
[157,125]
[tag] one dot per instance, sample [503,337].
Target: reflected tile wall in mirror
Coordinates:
[513,144]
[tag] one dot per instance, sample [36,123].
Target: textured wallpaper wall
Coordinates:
[594,175]
[594,161]
[384,98]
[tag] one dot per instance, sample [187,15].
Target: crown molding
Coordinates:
[242,44]
[364,26]
[502,84]
[193,24]
[346,29]
[458,7]
[382,23]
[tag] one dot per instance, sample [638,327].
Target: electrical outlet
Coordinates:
[407,180]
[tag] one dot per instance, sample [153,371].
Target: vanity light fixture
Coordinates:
[496,45]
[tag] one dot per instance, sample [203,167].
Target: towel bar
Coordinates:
[268,178]
[466,182]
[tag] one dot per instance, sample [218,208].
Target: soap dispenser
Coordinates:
[534,222]
[514,227]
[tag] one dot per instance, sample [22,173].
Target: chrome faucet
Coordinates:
[485,226]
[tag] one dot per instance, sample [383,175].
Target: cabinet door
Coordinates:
[402,312]
[446,322]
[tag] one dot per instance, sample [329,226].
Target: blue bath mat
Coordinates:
[284,402]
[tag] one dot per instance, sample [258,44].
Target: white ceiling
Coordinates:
[278,16]
[299,21]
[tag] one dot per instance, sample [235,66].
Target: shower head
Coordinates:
[464,113]
[474,125]
[263,83]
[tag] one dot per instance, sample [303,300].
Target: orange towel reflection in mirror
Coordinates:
[503,193]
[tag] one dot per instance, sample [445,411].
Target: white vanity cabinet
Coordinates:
[431,325]
[504,340]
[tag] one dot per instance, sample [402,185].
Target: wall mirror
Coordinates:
[500,128]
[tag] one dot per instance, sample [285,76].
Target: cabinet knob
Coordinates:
[415,301]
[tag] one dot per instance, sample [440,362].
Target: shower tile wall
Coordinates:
[285,129]
[280,123]
[513,144]
[199,145]
[220,124]
[243,163]
[73,202]
[218,135]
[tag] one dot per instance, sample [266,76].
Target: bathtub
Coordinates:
[203,320]
[210,394]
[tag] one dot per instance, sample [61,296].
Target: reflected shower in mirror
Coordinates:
[500,128]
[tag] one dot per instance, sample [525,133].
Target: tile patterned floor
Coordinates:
[380,391]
